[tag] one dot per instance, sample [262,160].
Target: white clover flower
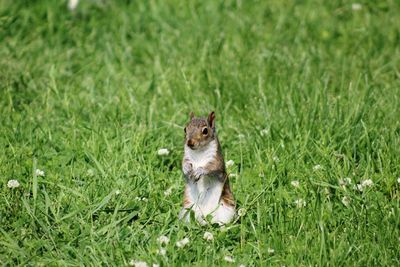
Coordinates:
[163,239]
[183,242]
[163,152]
[359,187]
[317,167]
[117,192]
[300,203]
[162,251]
[168,192]
[13,184]
[346,201]
[72,4]
[295,183]
[229,259]
[229,163]
[241,212]
[208,236]
[264,132]
[356,6]
[275,159]
[232,175]
[138,263]
[39,172]
[141,199]
[367,183]
[271,250]
[90,172]
[345,181]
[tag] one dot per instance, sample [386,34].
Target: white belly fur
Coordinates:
[200,158]
[205,194]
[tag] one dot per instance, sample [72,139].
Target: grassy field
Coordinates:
[306,94]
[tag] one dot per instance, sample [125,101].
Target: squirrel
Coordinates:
[207,190]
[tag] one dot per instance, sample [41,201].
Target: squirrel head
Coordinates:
[199,132]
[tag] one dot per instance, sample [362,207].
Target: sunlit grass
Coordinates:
[307,107]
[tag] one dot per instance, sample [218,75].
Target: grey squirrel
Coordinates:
[207,190]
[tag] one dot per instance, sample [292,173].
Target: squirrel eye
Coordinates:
[184,129]
[205,131]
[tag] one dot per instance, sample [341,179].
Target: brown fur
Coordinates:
[186,201]
[217,166]
[195,138]
[227,196]
[193,130]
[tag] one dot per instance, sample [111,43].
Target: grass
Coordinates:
[89,97]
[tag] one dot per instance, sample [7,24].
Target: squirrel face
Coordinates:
[200,131]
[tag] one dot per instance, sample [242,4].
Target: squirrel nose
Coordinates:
[190,143]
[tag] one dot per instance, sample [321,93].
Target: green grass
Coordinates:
[90,96]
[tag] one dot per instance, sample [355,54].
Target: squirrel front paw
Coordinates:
[198,173]
[187,168]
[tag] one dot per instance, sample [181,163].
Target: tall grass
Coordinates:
[303,91]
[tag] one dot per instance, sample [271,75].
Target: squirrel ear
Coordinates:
[211,118]
[191,115]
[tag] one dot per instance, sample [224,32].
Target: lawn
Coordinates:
[306,96]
